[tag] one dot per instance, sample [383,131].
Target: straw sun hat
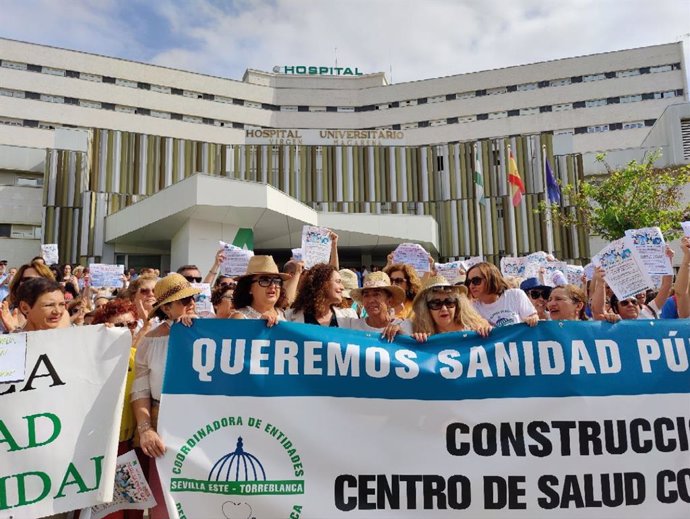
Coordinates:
[349,280]
[172,287]
[439,282]
[264,265]
[379,280]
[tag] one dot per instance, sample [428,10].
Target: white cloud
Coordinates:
[417,39]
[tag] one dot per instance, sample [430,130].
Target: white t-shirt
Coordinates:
[645,312]
[511,308]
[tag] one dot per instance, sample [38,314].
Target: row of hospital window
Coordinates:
[394,104]
[590,103]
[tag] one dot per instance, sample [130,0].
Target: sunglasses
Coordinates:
[267,282]
[398,281]
[437,304]
[193,279]
[130,324]
[186,300]
[146,290]
[228,284]
[628,302]
[476,280]
[536,293]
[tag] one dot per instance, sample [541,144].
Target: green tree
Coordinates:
[638,195]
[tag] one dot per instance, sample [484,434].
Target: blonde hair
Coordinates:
[465,314]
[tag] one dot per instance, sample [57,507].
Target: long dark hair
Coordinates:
[242,296]
[311,298]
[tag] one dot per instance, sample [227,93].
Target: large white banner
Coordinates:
[59,426]
[561,420]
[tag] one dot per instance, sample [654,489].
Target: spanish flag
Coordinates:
[517,188]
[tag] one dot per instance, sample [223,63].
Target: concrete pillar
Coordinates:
[197,243]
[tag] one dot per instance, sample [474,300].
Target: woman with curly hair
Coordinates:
[320,294]
[405,277]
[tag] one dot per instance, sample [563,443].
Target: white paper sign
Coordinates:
[511,266]
[12,357]
[236,260]
[650,245]
[130,492]
[316,245]
[297,254]
[623,269]
[574,274]
[412,254]
[554,273]
[104,275]
[686,228]
[534,263]
[454,272]
[202,302]
[472,261]
[49,251]
[588,271]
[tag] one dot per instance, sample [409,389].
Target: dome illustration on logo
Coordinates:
[238,465]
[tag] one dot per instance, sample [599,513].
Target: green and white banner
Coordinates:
[59,426]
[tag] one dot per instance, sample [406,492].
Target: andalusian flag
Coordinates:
[517,188]
[479,181]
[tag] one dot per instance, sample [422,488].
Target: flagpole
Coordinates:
[547,203]
[511,213]
[477,212]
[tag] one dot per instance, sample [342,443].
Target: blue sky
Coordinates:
[412,38]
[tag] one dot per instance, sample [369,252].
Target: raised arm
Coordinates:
[599,295]
[213,272]
[682,289]
[334,250]
[666,283]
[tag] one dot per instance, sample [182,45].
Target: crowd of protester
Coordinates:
[391,300]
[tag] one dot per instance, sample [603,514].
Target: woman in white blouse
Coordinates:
[175,302]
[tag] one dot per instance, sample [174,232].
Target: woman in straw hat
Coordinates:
[441,307]
[379,298]
[260,293]
[175,303]
[319,297]
[349,280]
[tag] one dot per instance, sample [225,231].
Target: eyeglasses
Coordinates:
[476,280]
[627,302]
[193,279]
[437,304]
[186,300]
[146,290]
[228,284]
[267,282]
[398,281]
[537,293]
[129,324]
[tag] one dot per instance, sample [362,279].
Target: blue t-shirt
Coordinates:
[670,309]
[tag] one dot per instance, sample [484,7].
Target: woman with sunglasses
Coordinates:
[259,293]
[318,298]
[141,293]
[221,299]
[538,295]
[175,303]
[495,302]
[441,308]
[567,303]
[405,277]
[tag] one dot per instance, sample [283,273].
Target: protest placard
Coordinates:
[472,261]
[554,273]
[454,271]
[686,228]
[59,426]
[624,272]
[130,491]
[588,271]
[511,266]
[202,302]
[651,247]
[12,357]
[104,275]
[235,260]
[316,245]
[574,274]
[412,254]
[534,263]
[552,421]
[49,252]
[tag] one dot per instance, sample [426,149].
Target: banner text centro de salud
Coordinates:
[560,420]
[304,137]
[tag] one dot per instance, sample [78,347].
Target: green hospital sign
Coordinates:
[309,70]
